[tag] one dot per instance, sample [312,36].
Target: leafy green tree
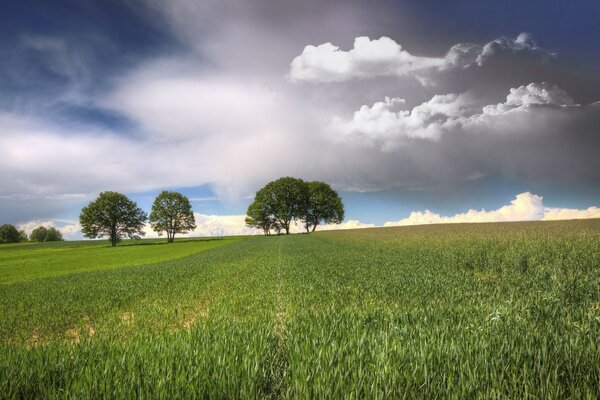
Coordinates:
[259,213]
[38,234]
[22,236]
[172,213]
[324,205]
[53,235]
[278,204]
[43,234]
[8,234]
[112,214]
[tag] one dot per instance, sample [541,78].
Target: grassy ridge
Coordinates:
[460,311]
[27,261]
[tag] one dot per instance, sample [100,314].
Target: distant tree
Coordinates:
[38,234]
[172,213]
[53,235]
[259,214]
[22,236]
[286,199]
[112,214]
[8,234]
[324,205]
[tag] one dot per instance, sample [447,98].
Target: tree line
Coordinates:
[277,205]
[10,234]
[281,202]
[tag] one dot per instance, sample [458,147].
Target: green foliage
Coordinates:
[172,213]
[286,199]
[112,214]
[53,235]
[278,204]
[22,236]
[43,234]
[259,214]
[8,234]
[324,205]
[507,310]
[38,234]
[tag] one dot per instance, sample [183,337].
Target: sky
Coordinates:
[416,112]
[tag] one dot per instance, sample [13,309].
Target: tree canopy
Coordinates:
[172,213]
[259,214]
[113,215]
[279,203]
[324,205]
[9,234]
[23,236]
[43,234]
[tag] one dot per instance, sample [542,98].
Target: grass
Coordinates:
[456,311]
[27,261]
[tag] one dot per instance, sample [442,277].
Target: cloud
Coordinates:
[368,58]
[384,57]
[525,107]
[382,122]
[570,213]
[525,207]
[170,102]
[350,224]
[533,94]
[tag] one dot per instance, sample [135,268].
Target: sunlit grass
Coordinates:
[456,311]
[26,261]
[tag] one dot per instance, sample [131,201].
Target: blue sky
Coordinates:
[402,106]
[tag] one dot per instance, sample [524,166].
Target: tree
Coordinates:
[259,214]
[286,199]
[172,213]
[324,205]
[112,214]
[277,204]
[38,234]
[22,236]
[53,235]
[43,234]
[8,234]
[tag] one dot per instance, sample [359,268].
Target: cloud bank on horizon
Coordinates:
[233,95]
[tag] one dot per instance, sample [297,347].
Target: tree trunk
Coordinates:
[314,227]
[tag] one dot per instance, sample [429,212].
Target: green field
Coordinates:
[26,261]
[508,310]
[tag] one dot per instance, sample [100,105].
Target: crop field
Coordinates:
[509,310]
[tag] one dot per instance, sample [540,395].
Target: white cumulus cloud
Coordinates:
[385,57]
[387,123]
[368,58]
[525,207]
